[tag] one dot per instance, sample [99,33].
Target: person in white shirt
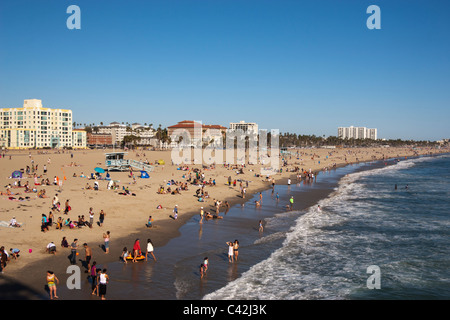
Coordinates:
[103,281]
[149,250]
[13,223]
[51,248]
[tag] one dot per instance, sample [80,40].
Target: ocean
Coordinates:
[370,240]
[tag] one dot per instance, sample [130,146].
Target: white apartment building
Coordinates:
[34,126]
[244,126]
[357,133]
[146,133]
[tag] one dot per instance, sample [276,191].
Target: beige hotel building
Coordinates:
[34,126]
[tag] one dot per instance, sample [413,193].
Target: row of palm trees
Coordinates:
[291,139]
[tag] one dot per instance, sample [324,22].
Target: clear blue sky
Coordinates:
[297,66]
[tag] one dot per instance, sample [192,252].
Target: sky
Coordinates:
[305,67]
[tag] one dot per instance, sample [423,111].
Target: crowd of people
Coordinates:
[194,179]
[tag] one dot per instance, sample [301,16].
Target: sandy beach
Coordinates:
[126,215]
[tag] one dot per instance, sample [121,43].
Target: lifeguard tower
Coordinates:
[116,161]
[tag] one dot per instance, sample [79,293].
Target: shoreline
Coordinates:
[161,234]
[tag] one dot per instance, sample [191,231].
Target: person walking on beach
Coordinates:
[95,281]
[149,250]
[102,282]
[67,207]
[291,202]
[230,251]
[106,238]
[52,280]
[136,249]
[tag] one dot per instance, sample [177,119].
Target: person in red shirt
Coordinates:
[136,249]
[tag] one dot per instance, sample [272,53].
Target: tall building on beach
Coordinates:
[34,126]
[357,133]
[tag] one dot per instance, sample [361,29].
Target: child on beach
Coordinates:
[175,212]
[149,222]
[125,254]
[260,226]
[52,280]
[203,267]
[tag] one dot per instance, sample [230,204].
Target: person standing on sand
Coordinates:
[102,282]
[52,280]
[91,217]
[88,253]
[106,238]
[73,248]
[101,218]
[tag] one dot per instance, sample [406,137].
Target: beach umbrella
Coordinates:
[16,174]
[99,170]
